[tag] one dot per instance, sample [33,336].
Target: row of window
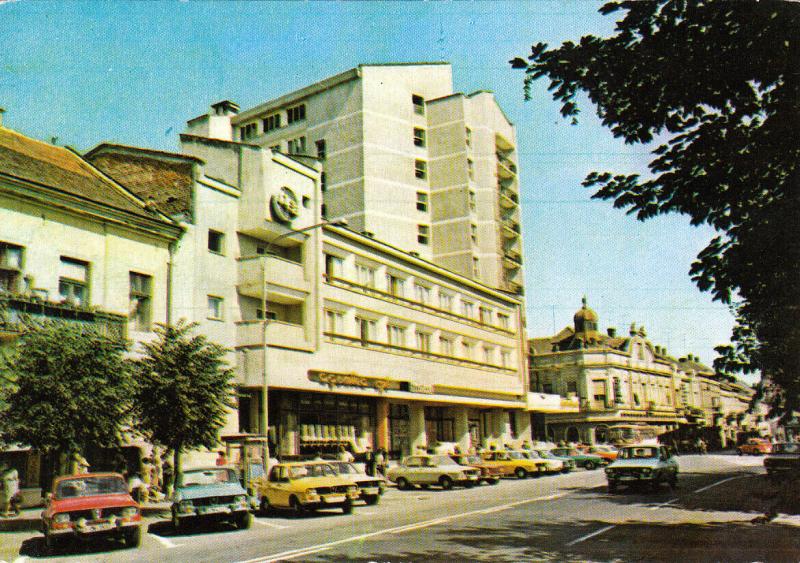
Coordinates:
[396,285]
[294,114]
[425,340]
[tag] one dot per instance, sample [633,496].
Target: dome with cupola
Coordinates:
[586,320]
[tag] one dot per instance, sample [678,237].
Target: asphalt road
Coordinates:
[710,517]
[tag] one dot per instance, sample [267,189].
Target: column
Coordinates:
[461,428]
[589,435]
[382,424]
[523,426]
[416,427]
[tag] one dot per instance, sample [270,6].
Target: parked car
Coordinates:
[551,465]
[642,465]
[589,461]
[210,494]
[609,453]
[783,460]
[489,473]
[305,487]
[569,463]
[370,488]
[755,446]
[428,470]
[515,464]
[90,506]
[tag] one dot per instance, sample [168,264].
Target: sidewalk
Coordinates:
[29,518]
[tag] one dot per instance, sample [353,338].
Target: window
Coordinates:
[445,301]
[473,204]
[73,281]
[395,285]
[476,267]
[485,315]
[366,330]
[215,308]
[467,348]
[488,354]
[334,321]
[419,104]
[323,182]
[216,241]
[505,358]
[470,169]
[423,341]
[396,335]
[422,201]
[468,309]
[296,146]
[322,152]
[473,233]
[333,266]
[271,122]
[445,346]
[296,113]
[10,267]
[275,148]
[248,131]
[502,320]
[423,234]
[422,293]
[419,137]
[468,133]
[271,315]
[141,298]
[420,169]
[366,275]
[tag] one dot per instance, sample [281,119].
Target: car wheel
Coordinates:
[445,482]
[243,521]
[422,486]
[673,482]
[347,507]
[493,481]
[373,499]
[133,538]
[520,473]
[612,487]
[297,508]
[589,465]
[264,507]
[739,451]
[402,484]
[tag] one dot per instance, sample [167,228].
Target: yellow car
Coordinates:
[305,487]
[515,463]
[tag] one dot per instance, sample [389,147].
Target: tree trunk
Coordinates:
[176,464]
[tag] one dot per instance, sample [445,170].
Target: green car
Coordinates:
[581,459]
[210,494]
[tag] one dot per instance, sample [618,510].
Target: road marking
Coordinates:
[20,559]
[701,489]
[656,507]
[166,542]
[593,534]
[291,554]
[365,513]
[270,524]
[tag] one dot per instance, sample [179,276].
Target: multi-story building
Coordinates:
[353,340]
[626,380]
[405,160]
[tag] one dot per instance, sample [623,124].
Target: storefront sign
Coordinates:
[352,380]
[420,388]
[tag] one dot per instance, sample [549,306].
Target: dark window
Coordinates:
[419,104]
[323,182]
[296,113]
[420,169]
[423,234]
[321,149]
[10,267]
[73,282]
[419,137]
[422,201]
[141,299]
[216,241]
[272,122]
[248,131]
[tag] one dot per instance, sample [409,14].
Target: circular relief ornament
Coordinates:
[284,205]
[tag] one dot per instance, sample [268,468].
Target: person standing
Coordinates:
[10,488]
[221,458]
[380,461]
[370,462]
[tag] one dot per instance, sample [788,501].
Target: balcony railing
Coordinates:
[279,333]
[279,272]
[19,313]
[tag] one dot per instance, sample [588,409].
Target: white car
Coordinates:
[428,470]
[370,488]
[552,465]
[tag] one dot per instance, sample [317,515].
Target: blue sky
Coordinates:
[135,72]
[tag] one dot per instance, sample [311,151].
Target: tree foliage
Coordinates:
[68,390]
[183,390]
[717,85]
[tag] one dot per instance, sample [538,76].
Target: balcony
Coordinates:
[18,312]
[508,199]
[511,228]
[280,334]
[286,279]
[514,287]
[506,169]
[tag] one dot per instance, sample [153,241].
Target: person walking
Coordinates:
[369,462]
[380,461]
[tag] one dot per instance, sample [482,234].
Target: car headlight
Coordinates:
[311,492]
[240,499]
[609,471]
[62,518]
[129,512]
[646,471]
[186,506]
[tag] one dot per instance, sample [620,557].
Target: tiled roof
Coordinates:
[163,178]
[63,170]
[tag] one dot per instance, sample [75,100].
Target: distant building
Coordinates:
[627,380]
[405,160]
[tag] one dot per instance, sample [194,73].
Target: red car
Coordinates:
[90,506]
[755,446]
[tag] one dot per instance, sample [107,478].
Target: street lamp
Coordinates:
[265,323]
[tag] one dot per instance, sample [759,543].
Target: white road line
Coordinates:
[21,559]
[291,554]
[270,524]
[166,542]
[656,507]
[593,534]
[701,489]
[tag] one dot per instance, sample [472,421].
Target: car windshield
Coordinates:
[532,455]
[208,477]
[91,486]
[440,460]
[638,453]
[344,468]
[786,448]
[469,460]
[545,455]
[516,455]
[311,470]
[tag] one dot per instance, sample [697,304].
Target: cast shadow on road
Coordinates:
[36,548]
[630,541]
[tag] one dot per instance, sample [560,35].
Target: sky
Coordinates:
[133,73]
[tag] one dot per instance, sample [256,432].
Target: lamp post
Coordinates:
[265,323]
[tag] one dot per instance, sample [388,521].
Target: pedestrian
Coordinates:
[8,488]
[370,464]
[344,455]
[136,487]
[167,472]
[221,458]
[380,461]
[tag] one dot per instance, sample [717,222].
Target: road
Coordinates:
[567,517]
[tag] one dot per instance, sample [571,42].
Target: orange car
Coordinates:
[755,446]
[606,452]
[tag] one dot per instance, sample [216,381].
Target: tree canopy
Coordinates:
[182,390]
[67,390]
[716,85]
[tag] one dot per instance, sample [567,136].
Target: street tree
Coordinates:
[183,390]
[713,87]
[66,390]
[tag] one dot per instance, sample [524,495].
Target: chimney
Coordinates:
[658,350]
[612,332]
[2,111]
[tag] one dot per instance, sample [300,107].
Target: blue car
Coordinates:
[210,494]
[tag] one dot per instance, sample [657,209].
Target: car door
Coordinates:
[277,486]
[412,469]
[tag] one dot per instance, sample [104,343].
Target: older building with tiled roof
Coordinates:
[626,387]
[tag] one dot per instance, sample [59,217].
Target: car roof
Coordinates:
[86,475]
[299,463]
